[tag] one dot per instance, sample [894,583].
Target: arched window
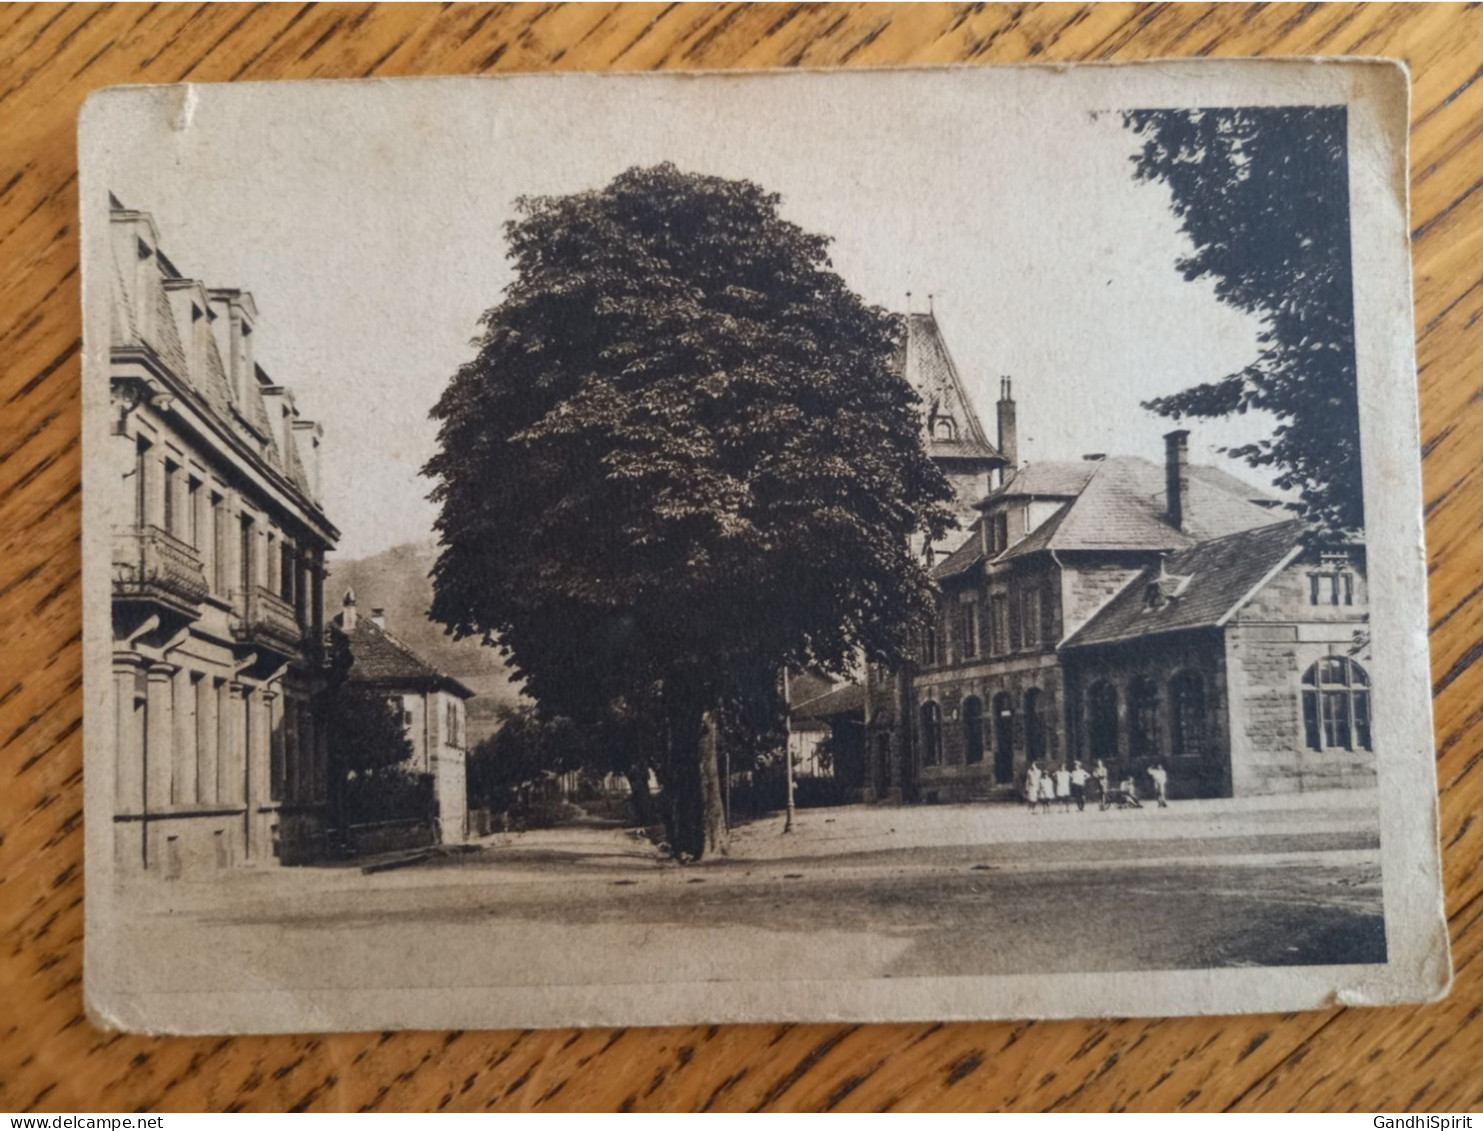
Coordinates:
[973,730]
[1336,705]
[1143,718]
[943,428]
[1034,726]
[1102,722]
[1187,715]
[1003,737]
[931,734]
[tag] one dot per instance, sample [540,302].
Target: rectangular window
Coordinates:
[228,779]
[999,608]
[193,512]
[205,738]
[1310,720]
[1001,533]
[1030,617]
[245,570]
[279,740]
[172,516]
[1313,589]
[218,571]
[1015,627]
[1336,719]
[287,568]
[141,482]
[1348,579]
[301,591]
[968,612]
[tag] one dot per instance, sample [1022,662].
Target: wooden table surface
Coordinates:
[53,1060]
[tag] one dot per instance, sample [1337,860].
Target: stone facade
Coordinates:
[219,544]
[1151,615]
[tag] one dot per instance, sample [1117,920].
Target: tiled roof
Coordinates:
[1220,477]
[1122,507]
[1053,479]
[380,658]
[926,364]
[965,557]
[842,700]
[1221,574]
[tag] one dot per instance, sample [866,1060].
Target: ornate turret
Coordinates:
[954,435]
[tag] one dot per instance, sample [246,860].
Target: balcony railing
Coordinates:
[151,565]
[267,620]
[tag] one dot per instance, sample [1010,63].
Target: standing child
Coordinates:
[1063,787]
[1079,778]
[1160,778]
[1103,782]
[1032,786]
[1047,791]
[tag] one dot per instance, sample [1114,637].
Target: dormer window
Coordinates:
[943,428]
[1163,589]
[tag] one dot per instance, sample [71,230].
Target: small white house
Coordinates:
[431,704]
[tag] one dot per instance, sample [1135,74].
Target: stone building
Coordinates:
[219,542]
[430,703]
[1111,609]
[1240,663]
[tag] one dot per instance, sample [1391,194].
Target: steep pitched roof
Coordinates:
[926,364]
[381,659]
[965,557]
[1122,507]
[1214,577]
[1048,479]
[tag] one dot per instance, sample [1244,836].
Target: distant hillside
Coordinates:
[398,580]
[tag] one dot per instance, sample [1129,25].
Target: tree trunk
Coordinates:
[713,802]
[693,807]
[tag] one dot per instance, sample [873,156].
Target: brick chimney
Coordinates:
[378,618]
[348,616]
[1009,444]
[1176,477]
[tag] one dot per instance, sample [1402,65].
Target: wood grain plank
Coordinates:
[51,1058]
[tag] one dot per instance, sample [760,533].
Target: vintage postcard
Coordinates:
[875,545]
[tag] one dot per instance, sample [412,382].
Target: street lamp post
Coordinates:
[788,748]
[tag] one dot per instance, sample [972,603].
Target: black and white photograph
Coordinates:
[896,545]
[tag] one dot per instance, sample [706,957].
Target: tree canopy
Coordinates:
[1263,194]
[680,459]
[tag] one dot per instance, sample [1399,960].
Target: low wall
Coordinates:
[390,836]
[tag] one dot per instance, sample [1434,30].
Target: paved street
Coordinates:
[892,892]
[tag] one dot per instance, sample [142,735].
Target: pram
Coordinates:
[1123,797]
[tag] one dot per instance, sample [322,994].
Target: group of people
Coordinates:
[1067,784]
